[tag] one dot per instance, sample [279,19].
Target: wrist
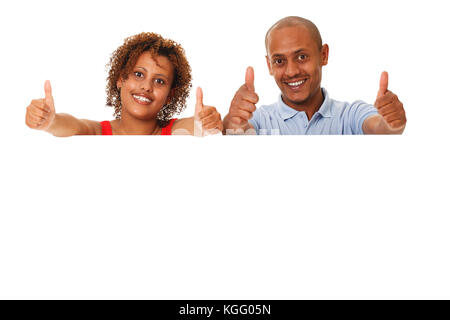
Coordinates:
[228,124]
[52,123]
[385,128]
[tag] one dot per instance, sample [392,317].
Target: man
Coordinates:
[295,57]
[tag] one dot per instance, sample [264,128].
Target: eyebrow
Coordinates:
[162,75]
[295,52]
[158,74]
[142,68]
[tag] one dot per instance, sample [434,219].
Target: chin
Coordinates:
[298,99]
[144,116]
[142,113]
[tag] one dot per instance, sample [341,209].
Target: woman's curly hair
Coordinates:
[123,60]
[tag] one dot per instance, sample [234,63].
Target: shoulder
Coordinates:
[268,108]
[264,115]
[266,111]
[183,126]
[90,127]
[352,115]
[343,108]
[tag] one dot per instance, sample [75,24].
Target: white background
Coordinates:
[224,217]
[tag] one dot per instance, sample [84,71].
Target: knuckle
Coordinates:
[236,108]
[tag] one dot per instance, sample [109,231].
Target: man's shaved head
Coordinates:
[293,21]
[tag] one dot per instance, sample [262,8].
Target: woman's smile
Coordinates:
[142,99]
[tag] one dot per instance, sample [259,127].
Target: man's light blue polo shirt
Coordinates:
[333,117]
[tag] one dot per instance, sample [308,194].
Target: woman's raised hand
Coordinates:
[41,112]
[207,119]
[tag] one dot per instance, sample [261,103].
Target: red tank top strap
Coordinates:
[167,130]
[106,128]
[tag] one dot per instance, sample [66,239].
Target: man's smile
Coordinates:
[296,84]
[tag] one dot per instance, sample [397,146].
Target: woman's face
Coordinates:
[148,87]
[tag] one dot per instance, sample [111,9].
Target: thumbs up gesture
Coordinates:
[244,103]
[207,119]
[388,105]
[41,112]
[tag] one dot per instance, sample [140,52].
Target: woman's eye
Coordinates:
[160,81]
[139,74]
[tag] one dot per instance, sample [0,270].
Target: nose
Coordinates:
[292,69]
[147,86]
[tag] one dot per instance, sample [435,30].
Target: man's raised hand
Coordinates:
[389,106]
[244,102]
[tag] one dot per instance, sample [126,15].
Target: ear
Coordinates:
[324,54]
[119,83]
[269,65]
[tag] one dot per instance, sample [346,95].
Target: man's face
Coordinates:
[295,61]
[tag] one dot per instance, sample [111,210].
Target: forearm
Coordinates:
[65,125]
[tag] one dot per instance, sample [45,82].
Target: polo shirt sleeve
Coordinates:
[357,113]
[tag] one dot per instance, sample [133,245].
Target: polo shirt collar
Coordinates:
[287,112]
[325,108]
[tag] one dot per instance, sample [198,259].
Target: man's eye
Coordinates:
[278,61]
[302,57]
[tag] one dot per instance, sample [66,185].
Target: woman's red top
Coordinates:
[107,130]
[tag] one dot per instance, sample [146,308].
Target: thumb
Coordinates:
[48,94]
[199,102]
[250,79]
[383,84]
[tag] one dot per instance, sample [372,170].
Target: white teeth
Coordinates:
[143,99]
[294,84]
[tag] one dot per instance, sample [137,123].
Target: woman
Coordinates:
[149,80]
